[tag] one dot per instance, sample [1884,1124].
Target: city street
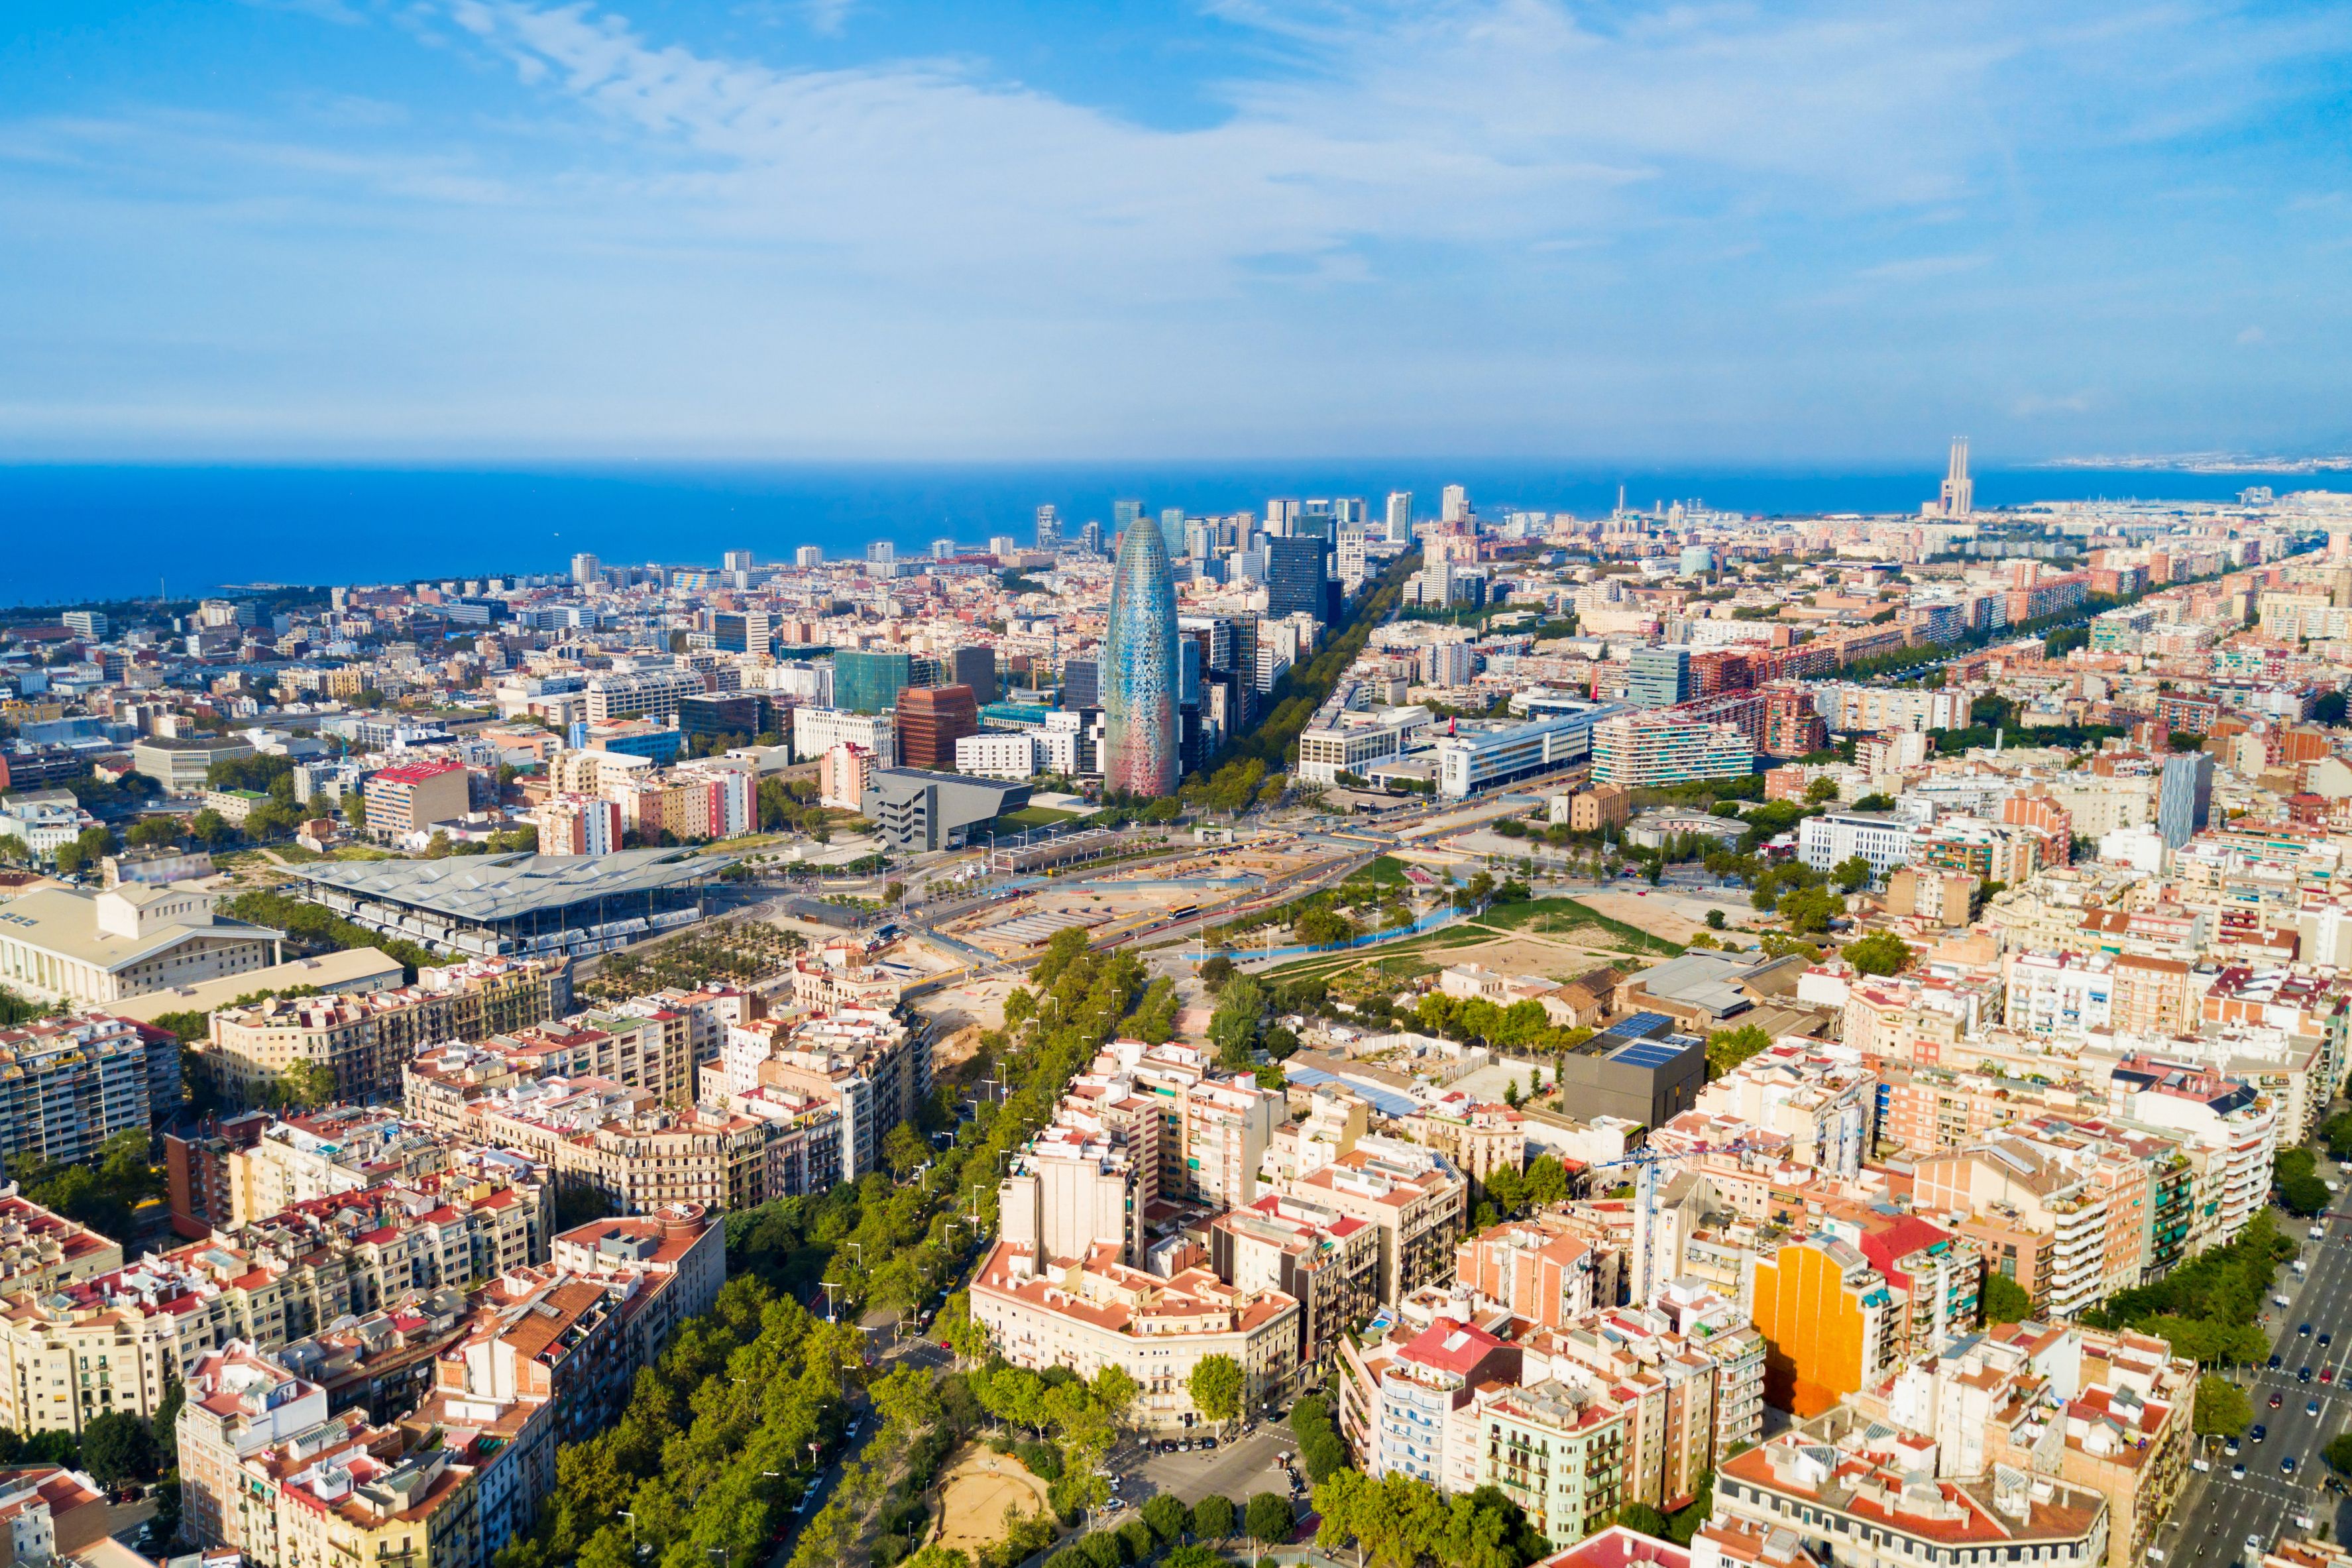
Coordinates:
[2219,1511]
[1239,1470]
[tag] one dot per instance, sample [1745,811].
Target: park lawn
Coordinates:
[1033,816]
[1386,870]
[748,841]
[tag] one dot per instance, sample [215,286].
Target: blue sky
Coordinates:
[1802,232]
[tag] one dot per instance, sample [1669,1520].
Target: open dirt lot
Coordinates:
[1554,958]
[974,1494]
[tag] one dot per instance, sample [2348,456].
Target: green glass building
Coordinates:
[869,682]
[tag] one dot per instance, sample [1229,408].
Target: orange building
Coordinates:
[1827,1318]
[931,719]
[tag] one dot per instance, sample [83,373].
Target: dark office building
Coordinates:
[1295,578]
[975,667]
[1080,685]
[738,717]
[931,719]
[1639,1070]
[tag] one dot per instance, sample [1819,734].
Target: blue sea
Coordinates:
[124,531]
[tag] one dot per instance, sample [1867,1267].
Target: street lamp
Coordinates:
[632,1518]
[830,1287]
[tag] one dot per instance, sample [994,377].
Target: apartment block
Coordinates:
[1829,1319]
[1328,1262]
[1097,1312]
[68,1085]
[1413,1198]
[412,796]
[367,1037]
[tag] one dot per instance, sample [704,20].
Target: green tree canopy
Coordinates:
[1269,1518]
[1881,953]
[2005,1300]
[2222,1408]
[1215,1386]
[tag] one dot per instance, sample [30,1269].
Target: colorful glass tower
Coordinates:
[1139,668]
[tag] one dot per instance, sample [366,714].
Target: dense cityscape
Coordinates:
[1384,1026]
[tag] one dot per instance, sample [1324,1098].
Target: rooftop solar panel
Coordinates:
[1648,1054]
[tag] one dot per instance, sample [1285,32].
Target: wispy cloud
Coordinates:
[1430,218]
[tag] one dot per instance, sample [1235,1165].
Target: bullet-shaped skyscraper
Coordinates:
[1139,668]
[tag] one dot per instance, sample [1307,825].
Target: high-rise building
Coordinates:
[1081,684]
[975,667]
[737,561]
[1049,527]
[1090,538]
[1171,531]
[1352,557]
[1457,508]
[931,719]
[1295,576]
[1400,517]
[1138,669]
[1958,497]
[942,548]
[88,625]
[583,569]
[866,681]
[2184,799]
[1658,677]
[1125,514]
[881,551]
[809,555]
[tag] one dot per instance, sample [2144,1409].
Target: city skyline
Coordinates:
[337,228]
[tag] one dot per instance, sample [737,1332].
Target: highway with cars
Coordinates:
[2237,1510]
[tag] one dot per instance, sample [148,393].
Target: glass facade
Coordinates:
[1139,671]
[866,682]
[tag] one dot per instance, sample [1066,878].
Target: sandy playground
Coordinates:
[974,1496]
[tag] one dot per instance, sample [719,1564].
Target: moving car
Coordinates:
[2277,1400]
[2258,1431]
[2311,1407]
[2286,1465]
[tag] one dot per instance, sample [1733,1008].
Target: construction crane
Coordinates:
[1646,1163]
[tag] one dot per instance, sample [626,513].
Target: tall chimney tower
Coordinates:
[1959,495]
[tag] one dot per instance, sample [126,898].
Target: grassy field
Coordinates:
[1033,816]
[1556,917]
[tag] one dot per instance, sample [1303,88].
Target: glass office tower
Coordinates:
[1138,669]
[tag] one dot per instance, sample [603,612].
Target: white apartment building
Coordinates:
[2056,993]
[997,756]
[1824,842]
[1099,1312]
[816,731]
[1656,748]
[1846,706]
[645,694]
